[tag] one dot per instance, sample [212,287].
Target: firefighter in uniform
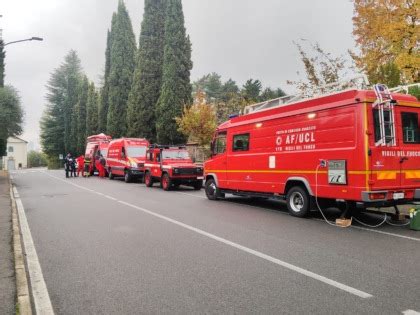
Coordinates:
[80,164]
[87,167]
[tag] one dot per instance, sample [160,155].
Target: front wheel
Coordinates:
[212,192]
[298,202]
[127,176]
[148,181]
[166,182]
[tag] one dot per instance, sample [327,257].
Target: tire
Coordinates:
[110,175]
[127,176]
[211,189]
[298,202]
[198,184]
[166,182]
[148,180]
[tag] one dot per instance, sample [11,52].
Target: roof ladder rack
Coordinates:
[385,105]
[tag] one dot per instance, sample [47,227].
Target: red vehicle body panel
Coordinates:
[286,144]
[127,155]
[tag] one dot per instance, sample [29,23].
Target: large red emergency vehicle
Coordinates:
[126,157]
[356,147]
[96,145]
[171,166]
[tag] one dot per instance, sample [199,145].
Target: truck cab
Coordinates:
[126,158]
[171,166]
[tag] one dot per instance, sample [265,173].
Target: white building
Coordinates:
[17,154]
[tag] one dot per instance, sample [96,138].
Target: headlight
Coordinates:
[199,170]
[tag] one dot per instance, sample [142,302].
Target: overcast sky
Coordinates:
[239,39]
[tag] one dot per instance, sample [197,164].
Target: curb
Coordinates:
[22,288]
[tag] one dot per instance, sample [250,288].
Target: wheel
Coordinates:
[148,179]
[110,175]
[127,176]
[166,182]
[198,184]
[212,192]
[298,202]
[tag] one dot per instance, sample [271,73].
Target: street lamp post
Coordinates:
[24,40]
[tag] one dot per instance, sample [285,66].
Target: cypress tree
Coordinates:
[2,56]
[122,63]
[147,77]
[57,121]
[92,111]
[103,106]
[176,88]
[79,122]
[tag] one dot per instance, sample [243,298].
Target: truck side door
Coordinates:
[219,159]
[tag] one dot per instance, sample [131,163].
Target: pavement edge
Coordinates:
[22,288]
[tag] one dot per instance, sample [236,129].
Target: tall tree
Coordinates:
[92,111]
[122,63]
[176,88]
[2,56]
[79,120]
[62,96]
[229,89]
[11,116]
[147,78]
[211,84]
[103,106]
[388,32]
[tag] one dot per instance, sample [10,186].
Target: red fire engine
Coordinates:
[126,157]
[357,147]
[171,166]
[96,145]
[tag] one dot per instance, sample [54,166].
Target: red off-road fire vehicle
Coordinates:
[357,147]
[171,166]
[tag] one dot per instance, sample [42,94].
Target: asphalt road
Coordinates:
[107,247]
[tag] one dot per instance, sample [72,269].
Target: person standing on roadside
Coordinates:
[67,164]
[80,164]
[87,166]
[72,167]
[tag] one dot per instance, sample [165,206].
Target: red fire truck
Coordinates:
[357,147]
[96,145]
[171,166]
[126,157]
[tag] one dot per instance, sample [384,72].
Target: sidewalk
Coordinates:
[7,269]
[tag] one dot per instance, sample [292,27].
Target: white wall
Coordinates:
[19,154]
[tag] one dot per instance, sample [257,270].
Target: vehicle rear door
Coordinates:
[384,160]
[409,146]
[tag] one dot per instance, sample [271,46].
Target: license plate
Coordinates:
[399,195]
[200,177]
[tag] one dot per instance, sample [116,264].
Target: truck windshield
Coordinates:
[136,151]
[175,154]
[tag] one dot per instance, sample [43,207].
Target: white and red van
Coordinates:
[126,157]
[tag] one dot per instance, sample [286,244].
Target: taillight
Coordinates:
[377,196]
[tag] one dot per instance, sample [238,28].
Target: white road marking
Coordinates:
[387,233]
[109,197]
[410,312]
[39,288]
[276,261]
[192,195]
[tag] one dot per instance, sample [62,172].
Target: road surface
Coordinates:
[107,247]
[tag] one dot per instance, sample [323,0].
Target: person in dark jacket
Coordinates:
[67,164]
[73,167]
